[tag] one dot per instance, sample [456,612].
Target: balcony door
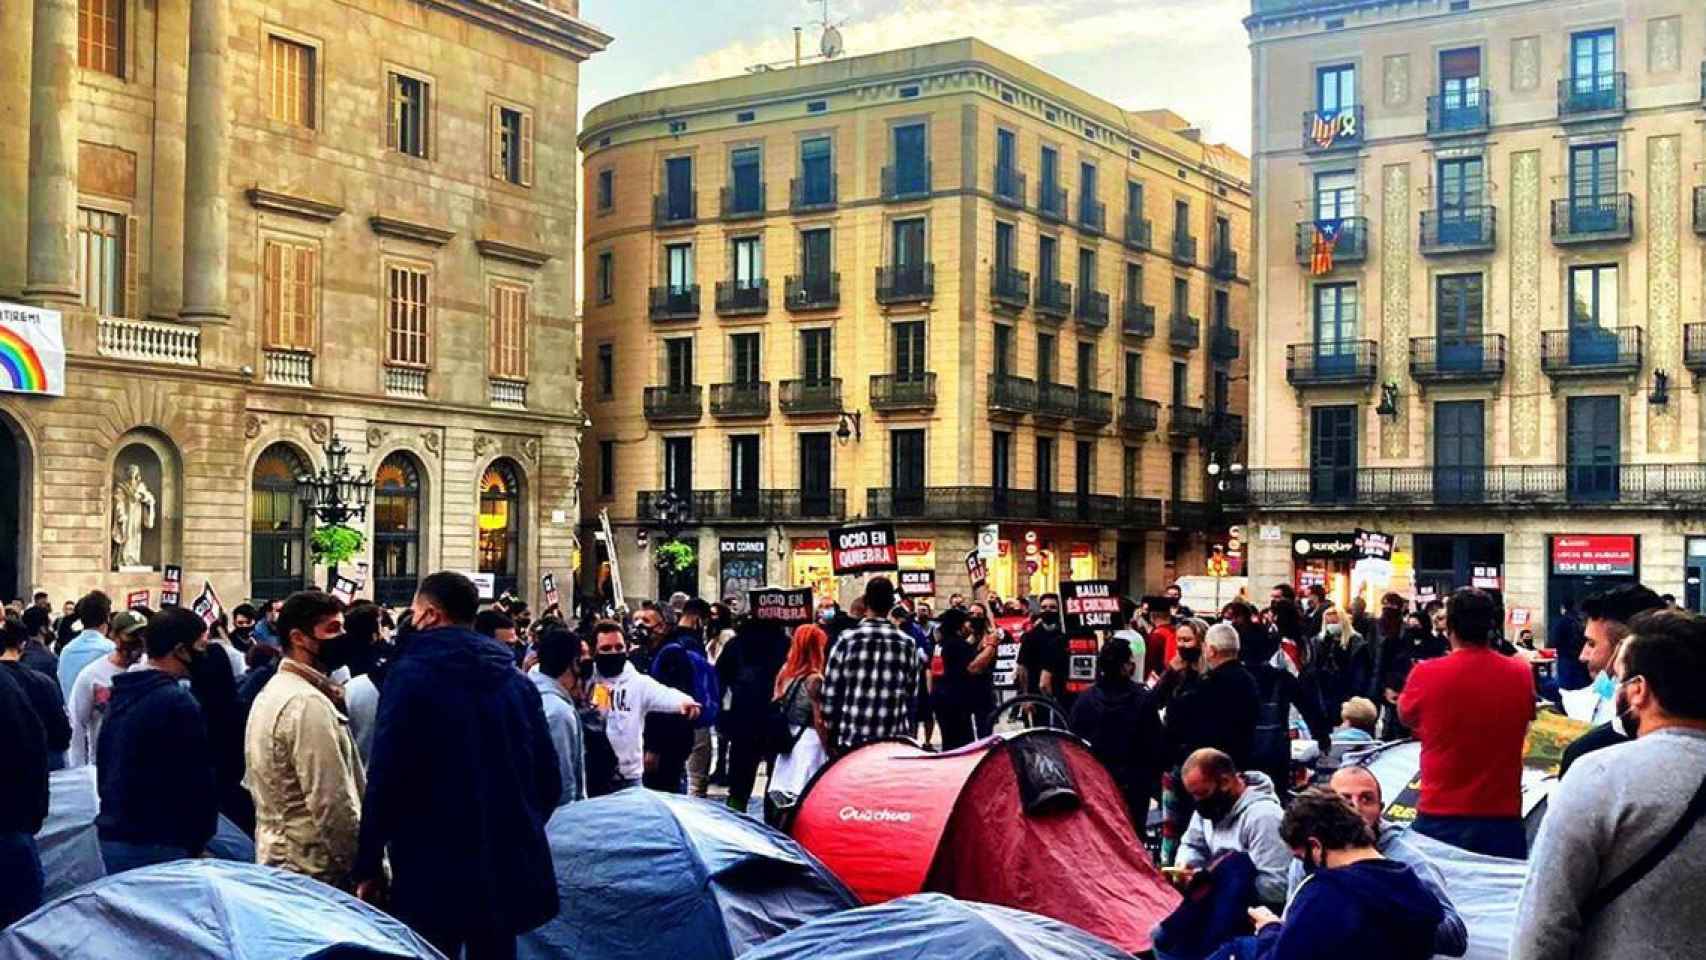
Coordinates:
[908,249]
[1335,329]
[1048,263]
[1593,315]
[1004,255]
[748,253]
[1460,87]
[909,351]
[746,171]
[906,471]
[815,264]
[1335,88]
[1593,188]
[1083,464]
[678,466]
[816,171]
[743,476]
[1006,146]
[909,159]
[1462,192]
[816,474]
[1593,67]
[678,265]
[1333,454]
[746,367]
[678,187]
[816,360]
[1594,447]
[1460,300]
[678,356]
[1459,451]
[1045,471]
[1335,195]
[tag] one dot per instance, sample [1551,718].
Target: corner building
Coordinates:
[269,224]
[935,286]
[1497,363]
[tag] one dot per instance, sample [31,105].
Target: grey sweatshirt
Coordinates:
[1251,828]
[1611,808]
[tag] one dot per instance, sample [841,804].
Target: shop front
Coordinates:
[1584,564]
[1035,560]
[1445,562]
[811,566]
[742,563]
[1325,559]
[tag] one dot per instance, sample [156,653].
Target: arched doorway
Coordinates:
[500,524]
[278,525]
[14,487]
[396,530]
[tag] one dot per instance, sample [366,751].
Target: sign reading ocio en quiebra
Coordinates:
[863,548]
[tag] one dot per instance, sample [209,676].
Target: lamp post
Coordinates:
[335,493]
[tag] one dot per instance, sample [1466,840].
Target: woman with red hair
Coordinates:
[802,733]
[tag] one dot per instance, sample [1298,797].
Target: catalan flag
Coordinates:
[1321,250]
[1324,130]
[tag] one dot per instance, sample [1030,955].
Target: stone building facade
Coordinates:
[936,286]
[266,225]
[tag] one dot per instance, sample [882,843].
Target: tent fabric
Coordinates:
[935,927]
[1396,764]
[893,820]
[210,910]
[71,849]
[645,875]
[1485,890]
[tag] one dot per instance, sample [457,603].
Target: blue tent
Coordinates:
[644,875]
[210,910]
[930,926]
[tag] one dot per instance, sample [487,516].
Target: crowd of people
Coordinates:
[414,757]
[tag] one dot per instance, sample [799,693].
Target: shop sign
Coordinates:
[790,607]
[1589,556]
[1090,604]
[172,586]
[1324,546]
[1269,533]
[918,583]
[1486,578]
[863,548]
[743,563]
[812,545]
[912,547]
[977,568]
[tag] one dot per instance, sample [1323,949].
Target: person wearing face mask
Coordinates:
[1118,716]
[92,691]
[627,697]
[1616,866]
[373,655]
[1044,655]
[1608,616]
[1342,663]
[154,765]
[555,677]
[1235,813]
[1211,701]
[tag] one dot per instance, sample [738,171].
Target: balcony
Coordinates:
[1095,408]
[743,203]
[1051,202]
[1694,348]
[1185,423]
[675,209]
[1333,130]
[1332,364]
[1139,233]
[813,194]
[807,397]
[740,401]
[149,341]
[1589,350]
[1138,415]
[910,283]
[1225,429]
[675,303]
[1459,230]
[1054,299]
[1700,211]
[985,504]
[1013,396]
[1607,219]
[814,291]
[1225,265]
[674,404]
[1593,96]
[1009,288]
[1550,486]
[1056,401]
[738,298]
[1092,310]
[896,392]
[1092,216]
[753,506]
[509,394]
[1141,512]
[906,182]
[1184,248]
[1458,359]
[1009,187]
[1183,332]
[1137,319]
[409,382]
[1460,114]
[1344,241]
[290,368]
[1187,514]
[1223,343]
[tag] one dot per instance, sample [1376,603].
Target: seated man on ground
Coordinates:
[1235,813]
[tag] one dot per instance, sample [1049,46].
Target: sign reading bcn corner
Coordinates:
[863,548]
[1593,556]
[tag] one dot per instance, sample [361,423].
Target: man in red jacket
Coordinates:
[1471,711]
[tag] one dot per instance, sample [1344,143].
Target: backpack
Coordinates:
[706,688]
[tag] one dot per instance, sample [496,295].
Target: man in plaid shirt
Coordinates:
[870,686]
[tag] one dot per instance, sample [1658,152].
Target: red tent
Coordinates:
[1031,821]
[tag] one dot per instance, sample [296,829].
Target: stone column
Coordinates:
[52,269]
[206,162]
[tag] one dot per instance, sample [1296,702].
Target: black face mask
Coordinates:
[583,669]
[610,664]
[1190,654]
[1217,805]
[336,652]
[1051,618]
[979,624]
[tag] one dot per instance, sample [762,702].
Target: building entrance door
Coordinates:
[12,486]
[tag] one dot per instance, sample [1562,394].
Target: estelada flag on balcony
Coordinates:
[32,350]
[1326,240]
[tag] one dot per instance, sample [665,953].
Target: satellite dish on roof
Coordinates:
[830,46]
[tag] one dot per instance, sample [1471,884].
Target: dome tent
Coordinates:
[643,875]
[930,926]
[210,910]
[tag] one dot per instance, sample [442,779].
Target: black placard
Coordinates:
[977,568]
[918,583]
[171,586]
[791,606]
[863,548]
[1090,604]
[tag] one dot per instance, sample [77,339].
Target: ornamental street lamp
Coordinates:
[336,494]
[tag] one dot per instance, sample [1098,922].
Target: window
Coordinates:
[606,190]
[1593,297]
[816,472]
[1134,283]
[678,363]
[745,365]
[1001,460]
[1181,218]
[1460,78]
[909,243]
[1333,454]
[911,170]
[1593,60]
[407,131]
[1181,297]
[1003,351]
[748,256]
[1335,195]
[816,172]
[1087,193]
[678,465]
[1045,465]
[1129,461]
[1086,365]
[1335,88]
[107,261]
[512,145]
[290,82]
[1458,311]
[1222,235]
[1133,200]
[1086,271]
[607,468]
[679,202]
[1593,172]
[607,370]
[278,523]
[1181,383]
[1048,259]
[1045,358]
[817,106]
[1459,451]
[408,301]
[906,461]
[1176,475]
[909,350]
[1050,175]
[743,467]
[1222,391]
[1593,446]
[1222,309]
[816,260]
[1004,256]
[289,295]
[1462,185]
[1083,466]
[1006,149]
[507,331]
[1133,374]
[100,36]
[678,267]
[606,276]
[816,364]
[746,175]
[1335,315]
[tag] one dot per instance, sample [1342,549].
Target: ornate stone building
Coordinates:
[269,224]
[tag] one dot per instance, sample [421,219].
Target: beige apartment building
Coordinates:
[937,287]
[267,225]
[1479,259]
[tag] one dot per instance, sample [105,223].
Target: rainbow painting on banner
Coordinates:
[32,351]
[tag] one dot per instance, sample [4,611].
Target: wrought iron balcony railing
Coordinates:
[1331,363]
[1185,422]
[1138,415]
[813,193]
[891,392]
[1462,358]
[1139,233]
[1225,265]
[743,297]
[766,506]
[1137,319]
[1056,401]
[1223,343]
[1009,187]
[1342,241]
[906,181]
[1478,487]
[1184,248]
[1459,113]
[674,403]
[1592,95]
[1601,219]
[1092,309]
[1095,407]
[1092,215]
[1054,298]
[811,396]
[909,283]
[1187,514]
[1694,348]
[675,303]
[984,504]
[814,291]
[1184,332]
[1459,230]
[1009,287]
[1011,395]
[738,203]
[1588,350]
[1051,202]
[675,209]
[740,400]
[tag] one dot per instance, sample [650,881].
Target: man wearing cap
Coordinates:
[93,688]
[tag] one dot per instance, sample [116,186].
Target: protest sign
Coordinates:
[977,568]
[207,606]
[863,548]
[548,588]
[918,583]
[136,599]
[1090,604]
[171,585]
[344,588]
[790,606]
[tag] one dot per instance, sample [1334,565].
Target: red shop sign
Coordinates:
[1583,556]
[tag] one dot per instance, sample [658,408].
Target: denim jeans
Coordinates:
[120,855]
[1491,836]
[20,877]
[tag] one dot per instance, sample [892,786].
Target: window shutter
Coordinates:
[496,123]
[426,120]
[527,149]
[272,302]
[523,324]
[494,330]
[394,114]
[132,275]
[308,310]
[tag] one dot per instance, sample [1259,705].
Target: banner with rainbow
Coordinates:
[32,350]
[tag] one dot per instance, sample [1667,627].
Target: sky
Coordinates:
[1189,56]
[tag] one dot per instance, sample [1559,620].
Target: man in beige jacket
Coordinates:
[303,770]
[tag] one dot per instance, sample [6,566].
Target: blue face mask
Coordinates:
[1604,687]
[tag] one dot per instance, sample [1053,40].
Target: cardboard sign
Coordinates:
[863,548]
[207,606]
[1593,556]
[1007,651]
[344,588]
[171,585]
[791,606]
[918,583]
[136,599]
[1090,605]
[977,568]
[548,587]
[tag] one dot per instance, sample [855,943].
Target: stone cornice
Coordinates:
[305,207]
[512,253]
[533,21]
[410,230]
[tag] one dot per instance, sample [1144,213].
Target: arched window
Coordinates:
[500,525]
[396,530]
[278,525]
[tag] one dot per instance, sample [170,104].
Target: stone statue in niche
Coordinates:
[134,511]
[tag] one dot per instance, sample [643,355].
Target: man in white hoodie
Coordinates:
[626,696]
